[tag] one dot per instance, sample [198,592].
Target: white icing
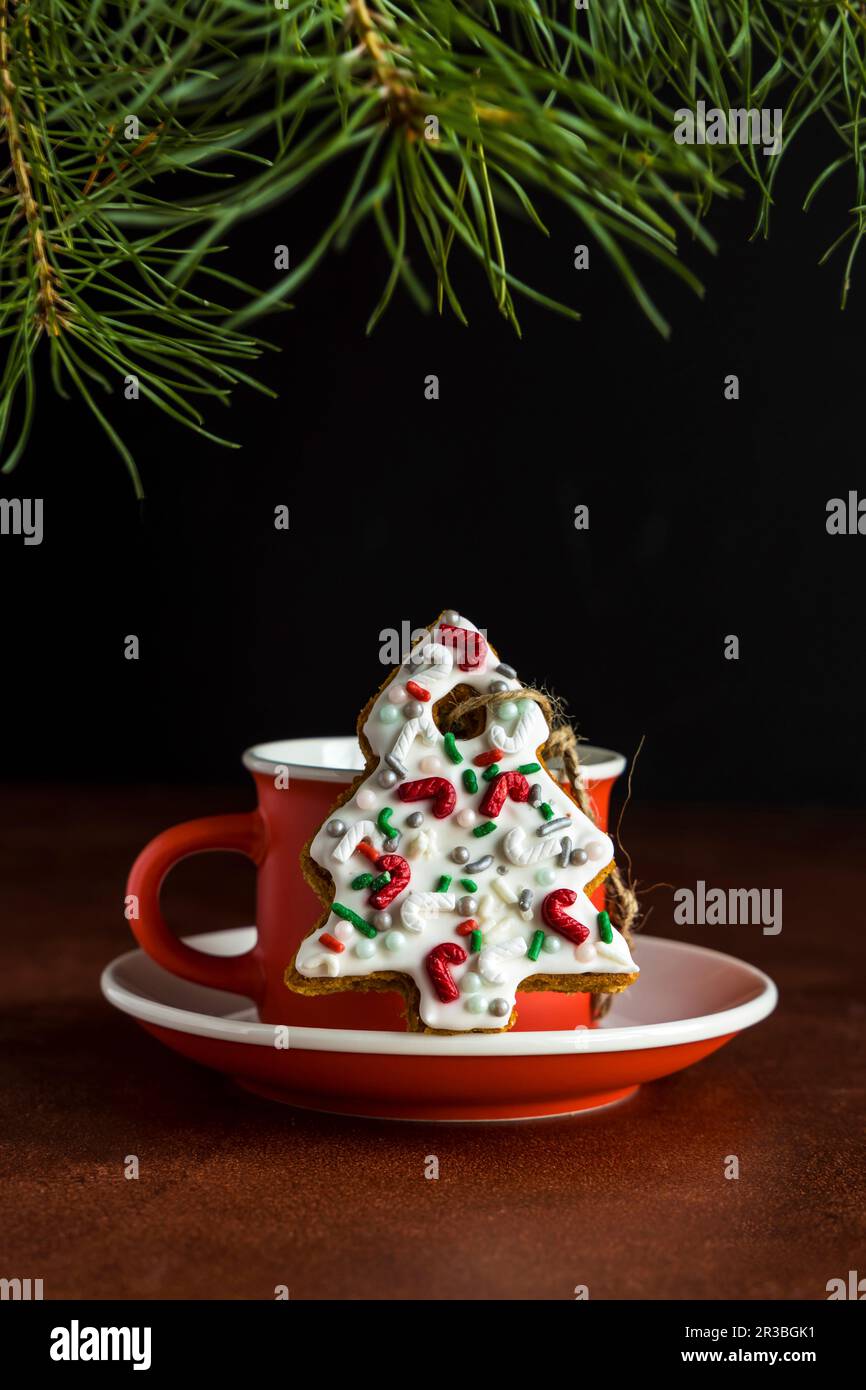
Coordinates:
[437,664]
[521,850]
[422,727]
[493,961]
[530,732]
[507,931]
[323,963]
[417,908]
[345,847]
[501,929]
[489,910]
[615,950]
[504,889]
[422,844]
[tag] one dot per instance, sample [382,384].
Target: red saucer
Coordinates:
[688,1002]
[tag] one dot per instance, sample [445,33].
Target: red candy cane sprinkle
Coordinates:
[447,953]
[331,942]
[468,927]
[487,759]
[470,647]
[507,784]
[417,690]
[554,914]
[437,789]
[400,873]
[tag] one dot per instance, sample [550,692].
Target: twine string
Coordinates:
[563,745]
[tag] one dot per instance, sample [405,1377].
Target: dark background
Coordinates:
[707,518]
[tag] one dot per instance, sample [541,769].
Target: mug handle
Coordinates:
[243,833]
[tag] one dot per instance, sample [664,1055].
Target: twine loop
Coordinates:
[563,745]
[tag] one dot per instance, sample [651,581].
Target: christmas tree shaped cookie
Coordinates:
[456,869]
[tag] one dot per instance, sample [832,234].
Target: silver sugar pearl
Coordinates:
[450,616]
[467,906]
[500,1007]
[413,708]
[339,827]
[502,868]
[416,819]
[578,856]
[382,920]
[497,687]
[460,855]
[387,777]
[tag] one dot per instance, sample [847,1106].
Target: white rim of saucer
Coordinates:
[337,758]
[629,1038]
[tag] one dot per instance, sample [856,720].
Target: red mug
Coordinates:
[298,781]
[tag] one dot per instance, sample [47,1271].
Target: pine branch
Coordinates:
[103,299]
[48,309]
[138,138]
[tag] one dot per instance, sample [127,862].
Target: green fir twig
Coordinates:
[138,136]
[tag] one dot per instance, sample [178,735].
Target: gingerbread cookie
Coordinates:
[455,869]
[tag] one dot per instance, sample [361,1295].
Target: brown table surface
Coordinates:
[238,1195]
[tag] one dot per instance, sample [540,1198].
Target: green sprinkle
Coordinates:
[546,810]
[349,916]
[380,882]
[535,945]
[490,772]
[382,820]
[452,750]
[605,930]
[527,768]
[362,881]
[444,884]
[469,884]
[470,781]
[475,940]
[485,829]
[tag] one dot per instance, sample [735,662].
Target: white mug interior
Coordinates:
[339,759]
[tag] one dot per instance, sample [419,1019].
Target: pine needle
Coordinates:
[137,138]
